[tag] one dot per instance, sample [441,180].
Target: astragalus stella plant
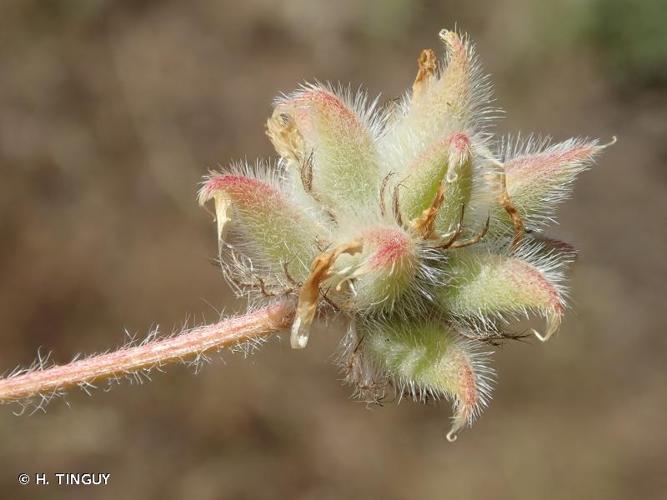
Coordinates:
[411,222]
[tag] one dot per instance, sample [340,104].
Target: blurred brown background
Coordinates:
[110,113]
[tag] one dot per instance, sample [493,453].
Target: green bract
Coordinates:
[411,221]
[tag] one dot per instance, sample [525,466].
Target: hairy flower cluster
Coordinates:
[412,221]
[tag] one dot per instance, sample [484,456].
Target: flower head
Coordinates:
[412,221]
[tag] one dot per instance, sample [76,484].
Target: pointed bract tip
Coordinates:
[444,34]
[210,191]
[222,205]
[459,155]
[451,39]
[451,435]
[613,141]
[299,334]
[553,322]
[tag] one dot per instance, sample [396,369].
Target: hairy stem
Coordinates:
[126,360]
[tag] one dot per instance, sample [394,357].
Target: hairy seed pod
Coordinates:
[436,168]
[540,175]
[382,272]
[428,360]
[457,184]
[271,226]
[453,100]
[338,157]
[485,286]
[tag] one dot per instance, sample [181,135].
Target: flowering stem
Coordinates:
[128,360]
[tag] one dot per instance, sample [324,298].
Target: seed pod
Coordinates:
[441,104]
[539,176]
[272,228]
[428,360]
[338,160]
[445,166]
[457,185]
[486,286]
[383,272]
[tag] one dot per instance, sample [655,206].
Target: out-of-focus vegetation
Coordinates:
[632,40]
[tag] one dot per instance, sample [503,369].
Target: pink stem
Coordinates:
[262,322]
